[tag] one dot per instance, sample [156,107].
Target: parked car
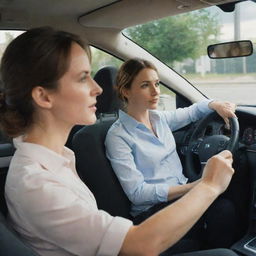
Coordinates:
[114,29]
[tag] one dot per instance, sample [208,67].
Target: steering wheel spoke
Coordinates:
[195,146]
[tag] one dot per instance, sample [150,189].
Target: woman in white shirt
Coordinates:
[47,89]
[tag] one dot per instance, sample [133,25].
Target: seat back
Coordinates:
[92,165]
[95,170]
[6,153]
[108,101]
[10,243]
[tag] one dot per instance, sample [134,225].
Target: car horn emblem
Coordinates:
[207,145]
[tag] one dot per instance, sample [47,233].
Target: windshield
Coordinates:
[181,42]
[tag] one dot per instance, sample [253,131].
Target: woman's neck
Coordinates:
[48,136]
[141,116]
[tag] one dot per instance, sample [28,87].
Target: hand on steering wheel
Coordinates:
[206,146]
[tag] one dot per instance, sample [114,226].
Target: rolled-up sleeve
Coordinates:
[184,116]
[131,179]
[118,228]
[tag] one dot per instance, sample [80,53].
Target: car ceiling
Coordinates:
[24,14]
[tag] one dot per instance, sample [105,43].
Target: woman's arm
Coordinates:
[166,227]
[180,190]
[184,116]
[132,180]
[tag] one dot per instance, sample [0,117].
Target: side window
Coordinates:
[101,59]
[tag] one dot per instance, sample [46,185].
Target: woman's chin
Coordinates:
[89,121]
[152,107]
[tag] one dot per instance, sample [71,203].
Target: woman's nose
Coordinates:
[96,88]
[155,90]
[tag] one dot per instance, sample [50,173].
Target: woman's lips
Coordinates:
[154,101]
[93,107]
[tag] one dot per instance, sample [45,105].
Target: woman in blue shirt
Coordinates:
[140,144]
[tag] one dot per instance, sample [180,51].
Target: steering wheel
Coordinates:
[205,146]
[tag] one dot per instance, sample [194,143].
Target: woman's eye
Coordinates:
[82,79]
[157,84]
[144,85]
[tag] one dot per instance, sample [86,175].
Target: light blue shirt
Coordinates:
[145,164]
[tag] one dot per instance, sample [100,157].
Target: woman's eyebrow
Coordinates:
[147,81]
[86,72]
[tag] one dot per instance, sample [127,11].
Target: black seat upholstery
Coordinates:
[10,244]
[88,144]
[6,153]
[107,102]
[95,169]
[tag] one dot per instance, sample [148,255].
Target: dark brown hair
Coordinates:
[38,57]
[127,72]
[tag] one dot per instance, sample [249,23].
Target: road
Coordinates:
[239,93]
[242,93]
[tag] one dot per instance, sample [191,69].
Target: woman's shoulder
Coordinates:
[23,170]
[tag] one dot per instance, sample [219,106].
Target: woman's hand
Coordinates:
[218,171]
[224,108]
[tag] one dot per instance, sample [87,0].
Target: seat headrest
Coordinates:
[108,101]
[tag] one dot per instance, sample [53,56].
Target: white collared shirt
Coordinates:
[53,210]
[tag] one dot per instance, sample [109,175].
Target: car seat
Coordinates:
[92,165]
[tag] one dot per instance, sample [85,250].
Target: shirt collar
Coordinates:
[131,124]
[128,122]
[44,156]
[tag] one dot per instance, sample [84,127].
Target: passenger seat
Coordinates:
[92,165]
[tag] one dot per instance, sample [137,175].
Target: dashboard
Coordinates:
[249,136]
[247,121]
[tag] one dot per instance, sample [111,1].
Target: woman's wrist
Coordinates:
[208,189]
[212,104]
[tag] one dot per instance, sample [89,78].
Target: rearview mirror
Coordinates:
[230,49]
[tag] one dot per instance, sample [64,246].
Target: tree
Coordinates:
[176,38]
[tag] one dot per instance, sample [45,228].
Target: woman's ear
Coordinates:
[125,93]
[42,97]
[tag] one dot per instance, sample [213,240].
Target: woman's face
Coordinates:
[144,91]
[74,101]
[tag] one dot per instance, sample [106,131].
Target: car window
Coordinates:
[101,58]
[6,36]
[181,42]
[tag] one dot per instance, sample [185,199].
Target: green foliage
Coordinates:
[179,37]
